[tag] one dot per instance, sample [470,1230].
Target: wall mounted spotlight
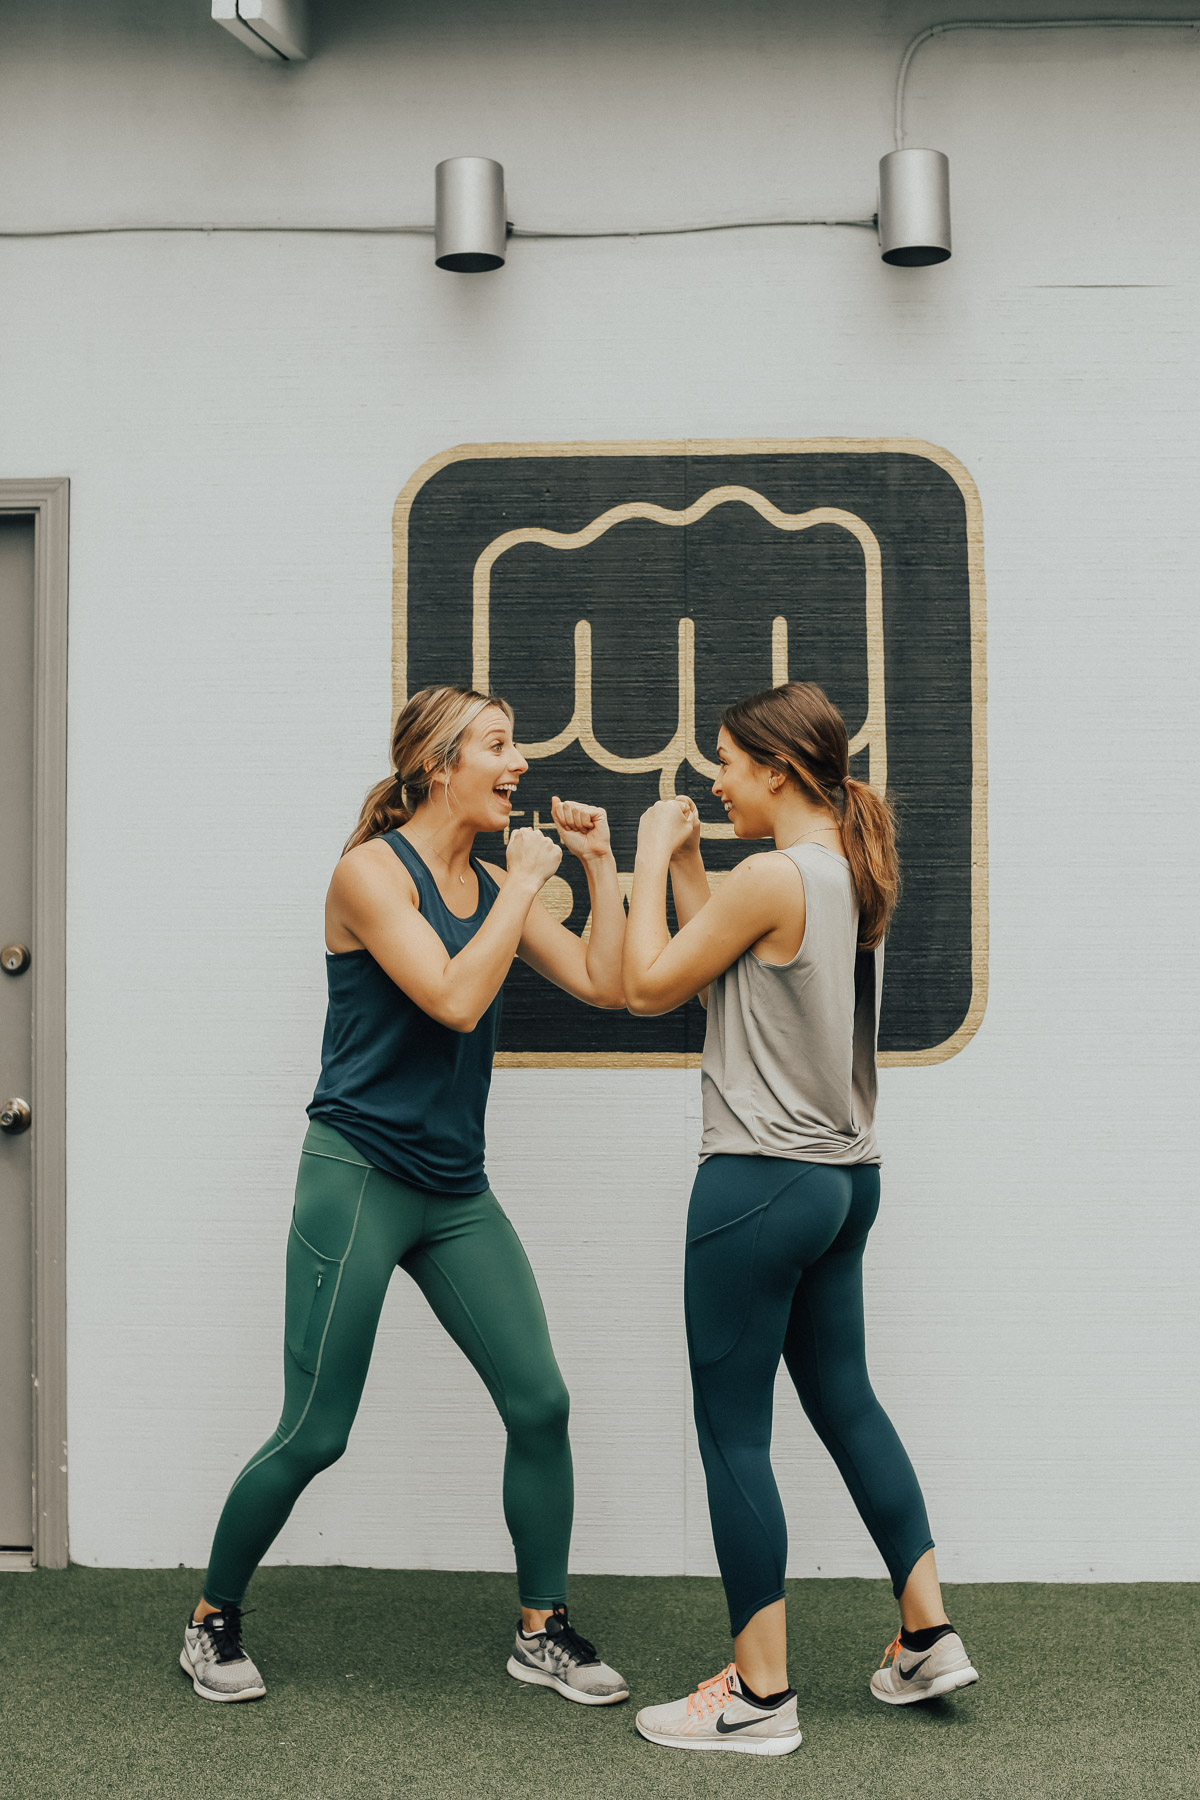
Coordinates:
[914,207]
[470,230]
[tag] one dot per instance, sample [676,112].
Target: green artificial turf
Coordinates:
[392,1683]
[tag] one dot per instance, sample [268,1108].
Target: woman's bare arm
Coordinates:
[591,971]
[373,896]
[756,898]
[689,884]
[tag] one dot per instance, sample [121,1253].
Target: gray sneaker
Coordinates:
[923,1674]
[212,1655]
[719,1717]
[559,1658]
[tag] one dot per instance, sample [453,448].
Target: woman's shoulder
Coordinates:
[764,871]
[758,887]
[819,866]
[368,866]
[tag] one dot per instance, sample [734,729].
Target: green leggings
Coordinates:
[351,1226]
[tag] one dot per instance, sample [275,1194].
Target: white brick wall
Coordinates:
[237,415]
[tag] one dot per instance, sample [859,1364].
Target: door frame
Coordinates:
[48,503]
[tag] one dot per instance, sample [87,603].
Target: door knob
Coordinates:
[15,1117]
[14,959]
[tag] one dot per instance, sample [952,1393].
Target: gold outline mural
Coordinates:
[681,747]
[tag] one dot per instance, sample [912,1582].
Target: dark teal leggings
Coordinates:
[774,1268]
[352,1225]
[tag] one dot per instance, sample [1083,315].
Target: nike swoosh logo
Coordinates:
[745,1725]
[907,1674]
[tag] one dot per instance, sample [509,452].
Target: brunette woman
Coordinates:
[420,934]
[787,955]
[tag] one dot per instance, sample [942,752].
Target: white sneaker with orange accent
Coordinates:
[719,1717]
[907,1675]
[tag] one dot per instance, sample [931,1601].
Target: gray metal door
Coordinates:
[16,1030]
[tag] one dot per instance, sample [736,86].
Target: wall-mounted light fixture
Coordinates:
[914,185]
[275,30]
[470,228]
[914,207]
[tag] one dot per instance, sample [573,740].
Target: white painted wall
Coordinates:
[237,415]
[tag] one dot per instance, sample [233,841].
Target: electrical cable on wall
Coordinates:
[516,231]
[933,31]
[471,228]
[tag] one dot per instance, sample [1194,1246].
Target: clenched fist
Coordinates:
[583,830]
[532,856]
[669,826]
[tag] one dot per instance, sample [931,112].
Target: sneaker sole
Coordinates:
[778,1746]
[539,1678]
[950,1683]
[207,1693]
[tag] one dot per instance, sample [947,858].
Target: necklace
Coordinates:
[816,832]
[430,851]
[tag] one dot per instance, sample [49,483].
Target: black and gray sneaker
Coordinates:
[559,1658]
[212,1655]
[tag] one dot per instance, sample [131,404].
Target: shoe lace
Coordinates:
[560,1628]
[892,1652]
[713,1695]
[225,1630]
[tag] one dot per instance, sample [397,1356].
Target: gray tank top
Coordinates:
[789,1055]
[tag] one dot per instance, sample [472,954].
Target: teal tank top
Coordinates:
[408,1093]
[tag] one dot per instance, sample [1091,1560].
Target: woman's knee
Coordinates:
[314,1451]
[538,1410]
[733,1416]
[838,1408]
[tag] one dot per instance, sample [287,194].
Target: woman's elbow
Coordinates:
[454,1018]
[643,1002]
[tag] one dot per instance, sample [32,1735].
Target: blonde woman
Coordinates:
[787,956]
[420,935]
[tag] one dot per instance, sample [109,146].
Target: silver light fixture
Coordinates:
[471,230]
[914,207]
[275,30]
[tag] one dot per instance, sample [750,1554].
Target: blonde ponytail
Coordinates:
[426,742]
[382,810]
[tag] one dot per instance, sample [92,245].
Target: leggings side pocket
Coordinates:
[311,1280]
[328,1200]
[718,1286]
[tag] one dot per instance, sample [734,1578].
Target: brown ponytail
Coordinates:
[426,741]
[869,836]
[798,730]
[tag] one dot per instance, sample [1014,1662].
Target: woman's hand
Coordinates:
[532,857]
[669,827]
[583,830]
[589,968]
[691,844]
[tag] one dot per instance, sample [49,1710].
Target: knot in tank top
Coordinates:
[789,1052]
[406,1091]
